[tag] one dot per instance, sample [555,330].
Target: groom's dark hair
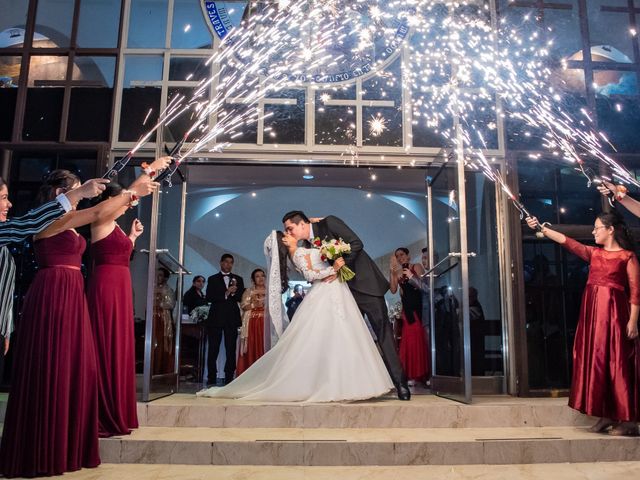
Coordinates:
[296,216]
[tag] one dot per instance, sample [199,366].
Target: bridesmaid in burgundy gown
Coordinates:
[51,423]
[606,378]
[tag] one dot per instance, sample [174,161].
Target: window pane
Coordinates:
[13,17]
[609,32]
[286,122]
[53,23]
[98,71]
[565,30]
[382,126]
[147,24]
[178,127]
[44,98]
[335,125]
[140,95]
[189,28]
[90,107]
[99,24]
[189,69]
[9,74]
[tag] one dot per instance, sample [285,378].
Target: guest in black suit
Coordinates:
[195,297]
[224,292]
[294,302]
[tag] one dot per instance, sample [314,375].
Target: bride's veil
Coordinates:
[275,317]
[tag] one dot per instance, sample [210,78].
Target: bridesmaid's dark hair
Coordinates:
[621,233]
[402,249]
[60,178]
[283,254]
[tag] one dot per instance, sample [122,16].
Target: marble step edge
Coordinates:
[557,446]
[358,416]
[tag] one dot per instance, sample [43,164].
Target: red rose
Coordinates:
[323,258]
[317,243]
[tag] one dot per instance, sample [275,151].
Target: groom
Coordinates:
[368,286]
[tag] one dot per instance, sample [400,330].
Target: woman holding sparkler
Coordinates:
[605,380]
[51,423]
[109,295]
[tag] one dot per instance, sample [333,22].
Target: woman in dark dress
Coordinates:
[195,297]
[605,381]
[413,346]
[51,423]
[110,299]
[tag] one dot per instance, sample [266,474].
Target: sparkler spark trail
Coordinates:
[465,71]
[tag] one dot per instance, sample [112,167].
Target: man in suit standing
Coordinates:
[224,291]
[368,286]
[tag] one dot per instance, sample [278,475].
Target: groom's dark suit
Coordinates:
[368,288]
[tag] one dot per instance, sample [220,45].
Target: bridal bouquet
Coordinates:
[333,249]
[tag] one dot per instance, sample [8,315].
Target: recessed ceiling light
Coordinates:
[402,215]
[217,214]
[308,177]
[368,195]
[253,194]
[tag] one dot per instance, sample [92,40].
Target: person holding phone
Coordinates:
[413,344]
[224,292]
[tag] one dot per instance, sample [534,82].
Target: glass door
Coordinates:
[448,275]
[164,289]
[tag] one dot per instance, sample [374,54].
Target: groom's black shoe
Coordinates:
[403,391]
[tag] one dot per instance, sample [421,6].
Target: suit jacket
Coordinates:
[369,279]
[224,312]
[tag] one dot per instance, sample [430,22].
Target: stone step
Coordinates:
[372,446]
[553,471]
[427,411]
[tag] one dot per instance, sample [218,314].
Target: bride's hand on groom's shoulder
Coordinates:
[316,219]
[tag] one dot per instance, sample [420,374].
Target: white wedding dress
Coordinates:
[326,354]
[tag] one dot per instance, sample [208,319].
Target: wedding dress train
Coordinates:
[326,354]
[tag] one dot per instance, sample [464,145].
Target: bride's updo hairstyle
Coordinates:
[283,254]
[58,179]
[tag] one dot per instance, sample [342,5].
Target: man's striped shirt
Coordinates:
[7,286]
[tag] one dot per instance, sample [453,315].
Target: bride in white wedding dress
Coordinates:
[326,354]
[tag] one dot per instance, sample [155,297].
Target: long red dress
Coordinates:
[413,344]
[605,379]
[254,349]
[51,423]
[111,309]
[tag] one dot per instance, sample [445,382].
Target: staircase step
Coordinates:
[426,411]
[372,446]
[555,471]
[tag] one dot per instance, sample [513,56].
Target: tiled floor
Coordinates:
[564,471]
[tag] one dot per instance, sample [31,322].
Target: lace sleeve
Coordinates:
[633,272]
[305,265]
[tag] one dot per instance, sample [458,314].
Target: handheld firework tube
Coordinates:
[168,173]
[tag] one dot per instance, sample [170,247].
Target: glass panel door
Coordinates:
[448,280]
[165,272]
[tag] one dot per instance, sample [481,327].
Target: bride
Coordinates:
[326,354]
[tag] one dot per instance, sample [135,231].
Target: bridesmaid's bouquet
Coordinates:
[332,250]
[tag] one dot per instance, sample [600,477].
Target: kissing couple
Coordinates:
[326,354]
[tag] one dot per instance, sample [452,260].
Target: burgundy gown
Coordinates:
[605,361]
[413,344]
[111,308]
[51,423]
